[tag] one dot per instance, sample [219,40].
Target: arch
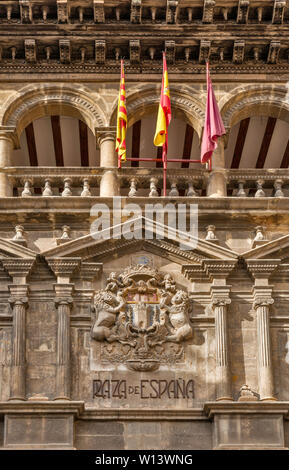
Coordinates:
[33,102]
[255,100]
[145,101]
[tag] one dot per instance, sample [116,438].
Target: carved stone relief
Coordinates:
[142,319]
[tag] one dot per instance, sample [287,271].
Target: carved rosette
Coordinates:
[141,319]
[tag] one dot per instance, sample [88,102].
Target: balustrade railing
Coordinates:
[144,182]
[85,182]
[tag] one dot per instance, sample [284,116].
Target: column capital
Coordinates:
[63,268]
[220,296]
[105,133]
[63,301]
[18,301]
[10,133]
[18,268]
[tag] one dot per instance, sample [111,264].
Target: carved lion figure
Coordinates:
[178,315]
[107,306]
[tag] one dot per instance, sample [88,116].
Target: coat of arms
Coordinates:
[142,319]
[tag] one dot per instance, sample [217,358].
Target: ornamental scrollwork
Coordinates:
[141,318]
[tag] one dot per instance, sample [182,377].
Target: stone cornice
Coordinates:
[17,267]
[63,266]
[212,409]
[90,271]
[262,268]
[194,272]
[219,269]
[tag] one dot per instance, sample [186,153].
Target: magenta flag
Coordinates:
[214,126]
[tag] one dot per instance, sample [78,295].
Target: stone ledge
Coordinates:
[143,414]
[247,408]
[75,408]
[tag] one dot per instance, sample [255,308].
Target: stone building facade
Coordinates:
[145,343]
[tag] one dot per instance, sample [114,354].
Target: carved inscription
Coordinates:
[153,388]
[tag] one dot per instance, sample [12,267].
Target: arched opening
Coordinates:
[56,140]
[183,142]
[258,141]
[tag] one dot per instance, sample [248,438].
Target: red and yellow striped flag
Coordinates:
[120,146]
[164,113]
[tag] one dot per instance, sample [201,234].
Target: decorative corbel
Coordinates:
[100,47]
[170,48]
[64,51]
[208,11]
[273,53]
[98,11]
[278,11]
[243,11]
[172,11]
[238,51]
[135,11]
[134,51]
[30,50]
[205,48]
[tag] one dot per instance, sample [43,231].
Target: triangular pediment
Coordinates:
[10,249]
[275,249]
[170,245]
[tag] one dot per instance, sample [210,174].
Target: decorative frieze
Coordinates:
[243,11]
[208,11]
[30,50]
[238,51]
[135,11]
[100,51]
[170,48]
[134,51]
[98,11]
[278,11]
[273,53]
[205,47]
[172,9]
[62,11]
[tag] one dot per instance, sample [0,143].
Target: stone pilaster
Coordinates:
[262,292]
[63,302]
[217,182]
[63,268]
[18,269]
[218,271]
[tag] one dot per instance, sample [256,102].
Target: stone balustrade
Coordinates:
[143,182]
[86,182]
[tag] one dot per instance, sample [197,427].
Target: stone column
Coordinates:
[63,268]
[19,270]
[109,184]
[217,182]
[218,271]
[6,148]
[262,292]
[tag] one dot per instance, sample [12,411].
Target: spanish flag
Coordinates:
[164,113]
[121,119]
